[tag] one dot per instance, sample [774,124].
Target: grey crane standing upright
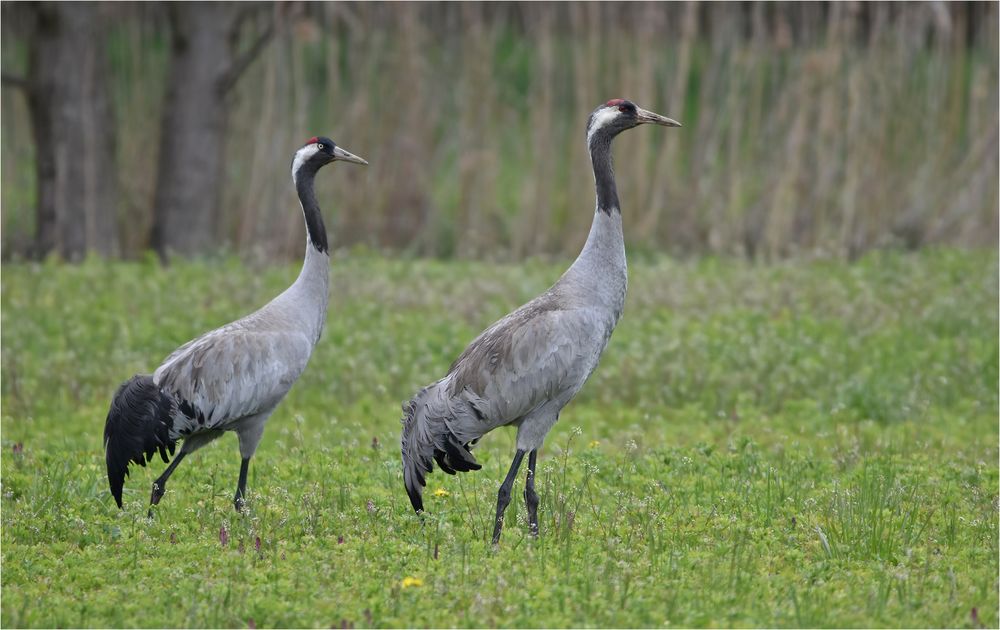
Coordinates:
[232,378]
[525,368]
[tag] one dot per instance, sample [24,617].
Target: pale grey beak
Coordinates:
[347,156]
[649,117]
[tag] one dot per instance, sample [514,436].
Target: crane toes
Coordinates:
[154,497]
[156,494]
[531,502]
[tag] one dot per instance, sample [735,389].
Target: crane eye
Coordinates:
[319,145]
[622,108]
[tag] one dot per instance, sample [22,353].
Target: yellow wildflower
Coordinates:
[594,444]
[409,581]
[441,492]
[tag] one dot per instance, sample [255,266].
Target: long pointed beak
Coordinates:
[347,156]
[649,117]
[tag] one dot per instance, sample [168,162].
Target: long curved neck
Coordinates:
[600,269]
[315,229]
[604,173]
[305,302]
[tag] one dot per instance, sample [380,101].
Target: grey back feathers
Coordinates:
[234,372]
[247,367]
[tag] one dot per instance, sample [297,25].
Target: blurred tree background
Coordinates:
[811,129]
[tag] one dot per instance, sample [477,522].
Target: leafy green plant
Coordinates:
[762,445]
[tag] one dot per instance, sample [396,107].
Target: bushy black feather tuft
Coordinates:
[426,439]
[459,456]
[442,460]
[138,426]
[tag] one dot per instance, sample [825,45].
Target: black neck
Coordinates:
[315,228]
[604,173]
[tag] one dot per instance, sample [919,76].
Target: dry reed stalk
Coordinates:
[810,129]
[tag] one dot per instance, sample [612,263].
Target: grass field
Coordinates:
[810,444]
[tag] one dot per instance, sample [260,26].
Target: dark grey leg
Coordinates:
[530,498]
[160,485]
[241,487]
[503,497]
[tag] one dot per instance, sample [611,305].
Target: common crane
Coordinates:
[232,378]
[525,368]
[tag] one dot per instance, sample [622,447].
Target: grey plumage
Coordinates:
[232,378]
[526,367]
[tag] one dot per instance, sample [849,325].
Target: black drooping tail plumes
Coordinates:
[138,425]
[427,438]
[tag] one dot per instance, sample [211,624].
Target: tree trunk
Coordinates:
[203,66]
[74,130]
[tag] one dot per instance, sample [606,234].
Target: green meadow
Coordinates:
[808,443]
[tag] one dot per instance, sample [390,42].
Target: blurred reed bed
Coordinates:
[813,129]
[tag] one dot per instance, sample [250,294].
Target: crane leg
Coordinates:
[503,497]
[160,485]
[530,497]
[241,486]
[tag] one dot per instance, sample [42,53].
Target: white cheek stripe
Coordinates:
[302,156]
[601,119]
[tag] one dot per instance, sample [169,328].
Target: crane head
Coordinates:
[319,151]
[620,114]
